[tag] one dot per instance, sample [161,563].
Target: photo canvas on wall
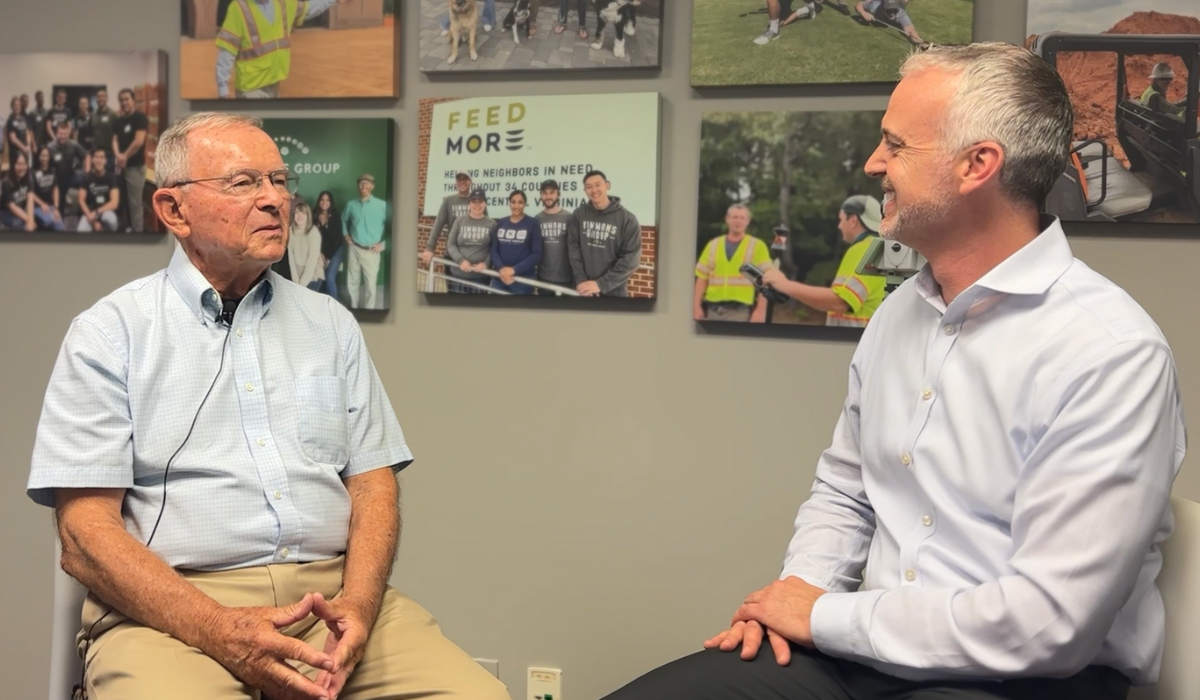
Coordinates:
[518,196]
[340,240]
[798,42]
[540,35]
[786,214]
[270,49]
[80,136]
[1132,68]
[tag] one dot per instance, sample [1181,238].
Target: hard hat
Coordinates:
[1161,70]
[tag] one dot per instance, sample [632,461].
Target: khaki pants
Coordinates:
[406,656]
[362,277]
[135,182]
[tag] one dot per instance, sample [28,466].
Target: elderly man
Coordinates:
[985,523]
[221,456]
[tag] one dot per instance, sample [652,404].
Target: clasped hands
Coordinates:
[782,611]
[248,642]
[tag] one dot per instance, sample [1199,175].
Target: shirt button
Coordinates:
[249,386]
[284,554]
[279,495]
[261,442]
[948,329]
[239,332]
[926,520]
[927,394]
[909,574]
[906,459]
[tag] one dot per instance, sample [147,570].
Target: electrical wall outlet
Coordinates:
[492,666]
[544,684]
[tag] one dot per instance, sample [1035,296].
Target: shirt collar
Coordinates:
[199,295]
[1031,270]
[1036,266]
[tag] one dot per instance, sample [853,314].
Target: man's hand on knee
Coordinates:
[784,606]
[248,643]
[749,634]
[349,629]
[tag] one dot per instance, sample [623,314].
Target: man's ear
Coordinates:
[981,165]
[169,207]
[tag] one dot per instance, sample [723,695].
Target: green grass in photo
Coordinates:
[832,48]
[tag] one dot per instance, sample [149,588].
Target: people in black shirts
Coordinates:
[70,162]
[82,125]
[16,134]
[16,204]
[45,192]
[333,248]
[36,116]
[60,113]
[129,145]
[104,121]
[99,197]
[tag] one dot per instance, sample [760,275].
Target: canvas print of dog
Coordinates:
[464,21]
[622,14]
[518,18]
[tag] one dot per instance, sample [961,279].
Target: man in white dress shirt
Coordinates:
[985,523]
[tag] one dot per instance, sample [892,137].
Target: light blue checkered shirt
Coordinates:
[297,407]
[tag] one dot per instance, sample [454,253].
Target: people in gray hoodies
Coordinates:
[604,241]
[470,245]
[453,207]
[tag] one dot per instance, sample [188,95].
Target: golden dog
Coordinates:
[464,18]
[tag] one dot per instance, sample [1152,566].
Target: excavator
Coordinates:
[1163,151]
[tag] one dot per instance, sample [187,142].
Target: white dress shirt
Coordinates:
[1002,469]
[296,408]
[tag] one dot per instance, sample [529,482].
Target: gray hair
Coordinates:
[738,205]
[1009,95]
[170,159]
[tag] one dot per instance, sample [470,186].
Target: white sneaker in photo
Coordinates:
[445,32]
[487,27]
[766,37]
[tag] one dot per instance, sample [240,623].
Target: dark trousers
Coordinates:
[565,6]
[718,675]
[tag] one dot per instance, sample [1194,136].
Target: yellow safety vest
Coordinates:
[725,282]
[263,48]
[1147,95]
[862,293]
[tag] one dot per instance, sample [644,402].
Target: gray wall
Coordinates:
[612,511]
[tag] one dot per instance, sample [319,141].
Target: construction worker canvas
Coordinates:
[267,49]
[1129,68]
[786,251]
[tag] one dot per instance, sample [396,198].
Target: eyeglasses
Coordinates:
[245,183]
